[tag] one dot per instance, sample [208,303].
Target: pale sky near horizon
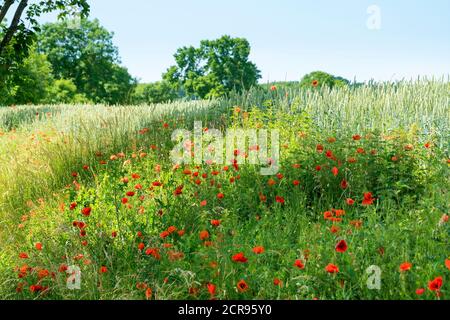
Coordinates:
[289,38]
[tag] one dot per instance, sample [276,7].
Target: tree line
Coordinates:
[74,60]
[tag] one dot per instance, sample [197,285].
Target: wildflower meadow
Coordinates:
[355,205]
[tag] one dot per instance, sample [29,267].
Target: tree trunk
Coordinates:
[4,9]
[14,25]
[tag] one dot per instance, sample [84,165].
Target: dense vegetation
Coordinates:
[363,184]
[93,205]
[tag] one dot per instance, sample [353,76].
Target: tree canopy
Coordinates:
[88,57]
[19,35]
[213,69]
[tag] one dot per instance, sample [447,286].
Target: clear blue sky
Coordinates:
[288,37]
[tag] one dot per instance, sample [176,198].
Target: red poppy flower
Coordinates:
[242,286]
[203,203]
[331,268]
[409,147]
[164,234]
[273,88]
[208,243]
[135,176]
[148,293]
[141,286]
[334,229]
[38,246]
[420,291]
[436,284]
[43,273]
[341,246]
[315,83]
[319,148]
[295,182]
[86,211]
[215,223]
[339,212]
[335,171]
[141,246]
[171,229]
[356,137]
[299,264]
[220,196]
[23,255]
[124,200]
[36,288]
[277,282]
[130,193]
[344,184]
[405,266]
[258,249]
[368,199]
[178,191]
[211,289]
[63,268]
[279,199]
[447,263]
[103,269]
[327,215]
[72,206]
[154,252]
[204,235]
[350,201]
[239,257]
[318,168]
[262,197]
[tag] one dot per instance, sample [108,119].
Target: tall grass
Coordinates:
[39,145]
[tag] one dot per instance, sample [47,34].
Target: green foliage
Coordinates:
[214,69]
[17,37]
[29,81]
[157,92]
[398,151]
[322,79]
[65,91]
[87,56]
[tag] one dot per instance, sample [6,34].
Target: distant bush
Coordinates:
[157,92]
[28,82]
[65,91]
[322,79]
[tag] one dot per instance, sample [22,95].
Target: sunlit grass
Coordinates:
[40,146]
